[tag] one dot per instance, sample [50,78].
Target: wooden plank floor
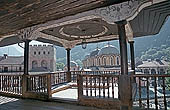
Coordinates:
[7,103]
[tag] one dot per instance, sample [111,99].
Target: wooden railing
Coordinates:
[11,84]
[58,78]
[99,86]
[152,91]
[75,73]
[37,83]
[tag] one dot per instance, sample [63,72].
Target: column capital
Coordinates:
[131,42]
[123,22]
[27,33]
[68,48]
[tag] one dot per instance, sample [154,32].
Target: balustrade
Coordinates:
[11,84]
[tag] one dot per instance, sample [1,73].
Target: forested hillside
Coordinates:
[157,46]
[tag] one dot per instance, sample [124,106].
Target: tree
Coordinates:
[151,51]
[168,79]
[59,66]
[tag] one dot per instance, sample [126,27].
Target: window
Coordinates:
[20,68]
[105,61]
[39,53]
[34,53]
[5,69]
[99,62]
[111,60]
[44,52]
[44,64]
[48,52]
[34,64]
[118,63]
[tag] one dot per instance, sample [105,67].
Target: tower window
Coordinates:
[44,52]
[39,53]
[34,53]
[48,52]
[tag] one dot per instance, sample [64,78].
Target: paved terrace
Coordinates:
[7,103]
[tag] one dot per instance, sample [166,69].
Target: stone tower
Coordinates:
[42,58]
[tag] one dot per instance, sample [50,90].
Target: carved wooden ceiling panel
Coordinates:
[19,14]
[94,28]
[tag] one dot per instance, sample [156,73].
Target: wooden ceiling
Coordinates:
[67,22]
[19,14]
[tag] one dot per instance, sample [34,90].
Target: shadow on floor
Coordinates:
[7,103]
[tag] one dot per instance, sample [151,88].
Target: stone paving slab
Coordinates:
[7,103]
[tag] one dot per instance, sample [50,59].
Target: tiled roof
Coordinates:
[107,50]
[11,60]
[160,63]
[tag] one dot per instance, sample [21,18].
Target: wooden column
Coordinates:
[132,56]
[80,86]
[49,85]
[125,93]
[24,77]
[123,47]
[68,65]
[26,56]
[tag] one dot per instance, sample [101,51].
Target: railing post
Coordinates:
[24,85]
[49,85]
[125,92]
[80,86]
[68,76]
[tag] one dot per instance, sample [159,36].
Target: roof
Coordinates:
[94,52]
[39,69]
[87,56]
[108,50]
[73,64]
[12,60]
[67,22]
[155,64]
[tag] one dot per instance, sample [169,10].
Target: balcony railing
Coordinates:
[149,91]
[152,91]
[11,84]
[99,86]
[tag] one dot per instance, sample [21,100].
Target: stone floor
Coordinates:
[7,103]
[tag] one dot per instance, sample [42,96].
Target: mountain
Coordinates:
[10,50]
[157,46]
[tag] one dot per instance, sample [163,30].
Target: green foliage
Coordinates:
[168,79]
[162,52]
[59,65]
[156,46]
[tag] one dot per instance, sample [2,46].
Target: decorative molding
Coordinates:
[11,35]
[119,12]
[29,33]
[85,36]
[70,44]
[65,43]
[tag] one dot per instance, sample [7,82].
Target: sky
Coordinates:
[21,50]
